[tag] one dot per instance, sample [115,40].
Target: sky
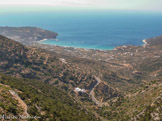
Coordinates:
[150,5]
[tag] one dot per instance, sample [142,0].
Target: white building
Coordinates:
[77,89]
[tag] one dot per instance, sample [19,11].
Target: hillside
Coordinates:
[42,100]
[9,105]
[126,70]
[144,104]
[108,84]
[129,65]
[33,63]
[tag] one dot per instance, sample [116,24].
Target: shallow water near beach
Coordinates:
[94,30]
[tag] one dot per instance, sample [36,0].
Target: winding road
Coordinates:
[92,93]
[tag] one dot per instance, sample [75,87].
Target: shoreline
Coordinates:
[42,40]
[87,49]
[74,47]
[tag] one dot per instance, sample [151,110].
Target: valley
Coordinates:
[120,84]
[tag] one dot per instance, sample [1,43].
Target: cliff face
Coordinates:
[27,35]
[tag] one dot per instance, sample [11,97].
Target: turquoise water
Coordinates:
[95,30]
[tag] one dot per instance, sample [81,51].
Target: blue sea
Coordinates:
[90,29]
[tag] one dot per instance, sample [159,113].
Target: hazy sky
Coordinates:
[155,5]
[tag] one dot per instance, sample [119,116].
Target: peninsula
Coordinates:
[27,35]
